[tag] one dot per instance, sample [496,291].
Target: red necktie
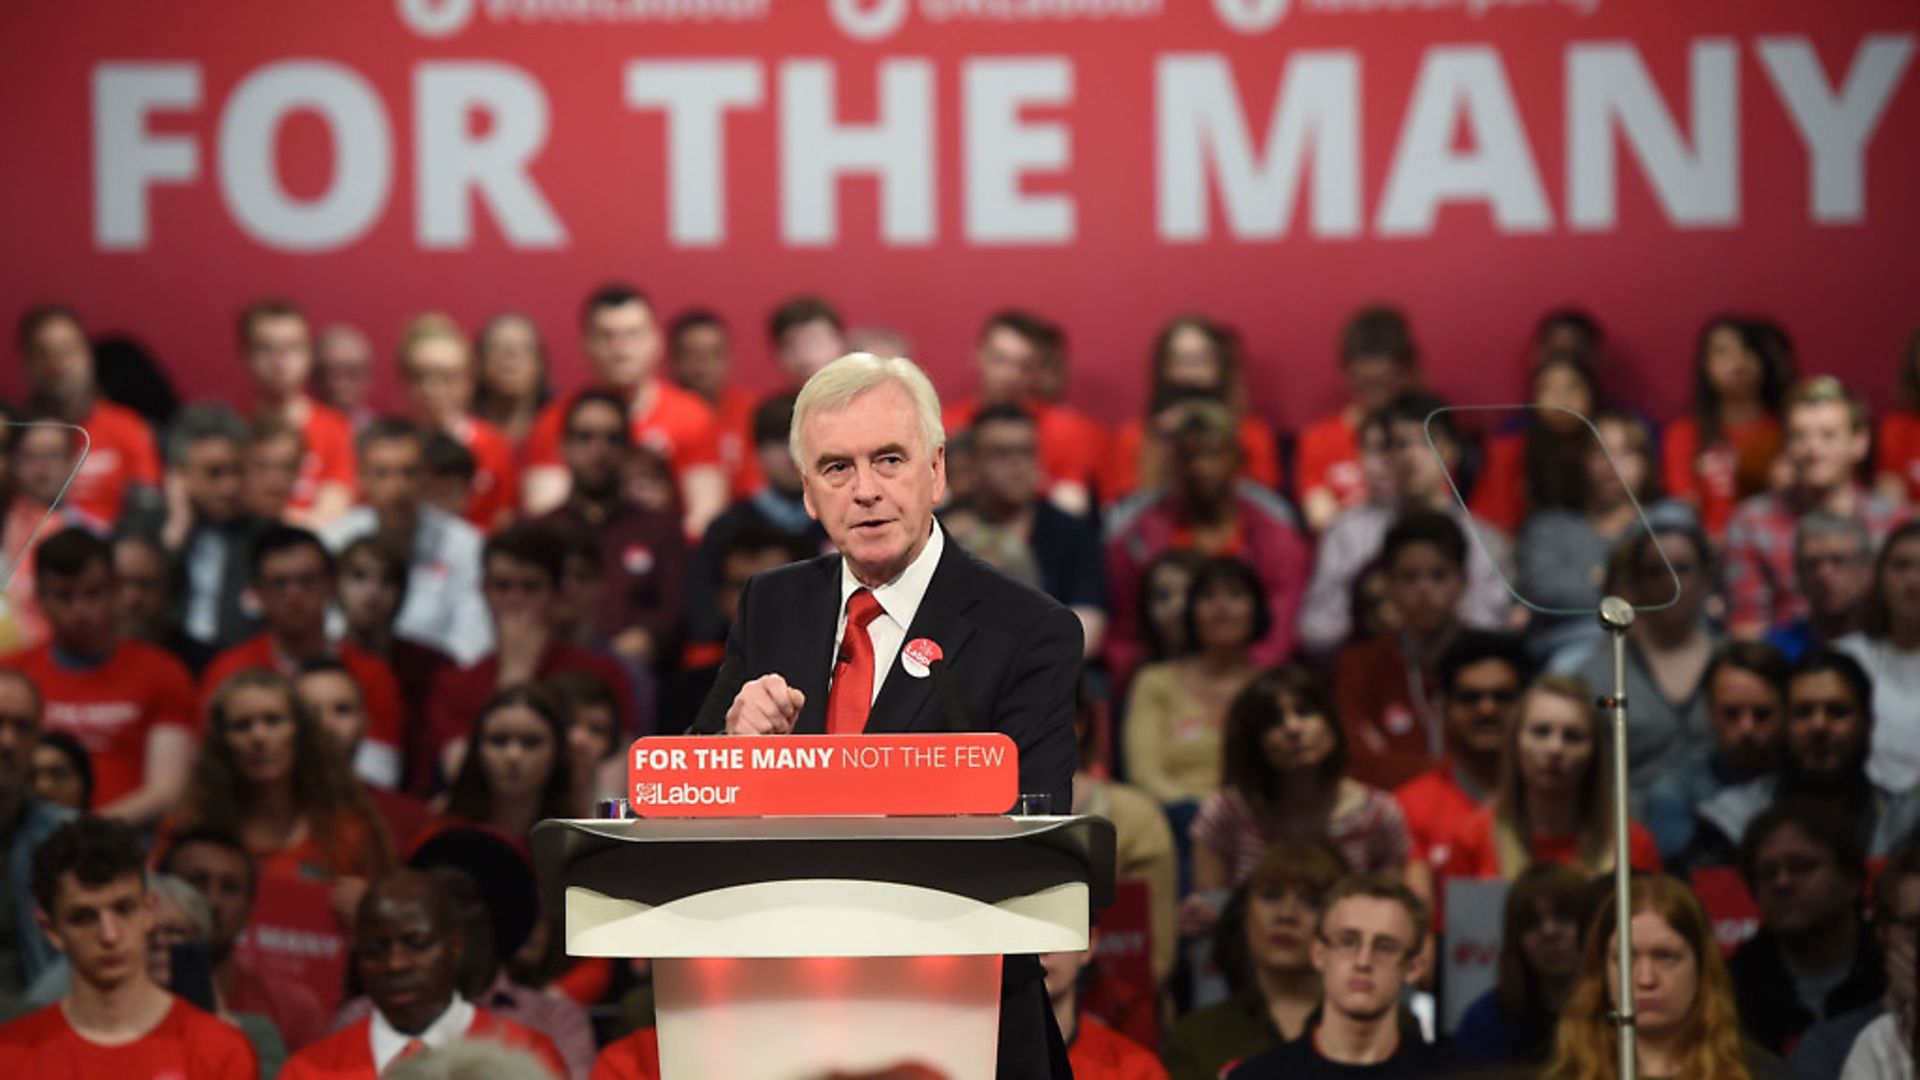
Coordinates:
[851,697]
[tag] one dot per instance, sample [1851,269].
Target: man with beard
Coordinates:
[1829,727]
[1482,676]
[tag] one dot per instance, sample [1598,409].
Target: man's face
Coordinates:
[1007,363]
[595,446]
[333,698]
[142,594]
[512,588]
[1833,572]
[1826,725]
[1374,379]
[1365,955]
[60,362]
[1424,587]
[295,591]
[211,475]
[439,380]
[737,568]
[345,368]
[1823,446]
[268,475]
[808,347]
[103,931]
[19,729]
[219,875]
[870,482]
[407,957]
[624,344]
[1416,474]
[702,359]
[42,462]
[1009,462]
[1205,467]
[391,477]
[279,356]
[1798,884]
[80,609]
[1482,704]
[1063,970]
[1747,716]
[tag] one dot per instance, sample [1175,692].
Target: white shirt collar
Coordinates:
[899,598]
[447,1028]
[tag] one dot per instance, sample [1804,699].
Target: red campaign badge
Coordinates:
[918,656]
[1398,720]
[636,559]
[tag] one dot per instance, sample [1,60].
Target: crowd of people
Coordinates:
[317,641]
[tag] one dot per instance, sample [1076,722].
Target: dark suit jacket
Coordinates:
[1012,655]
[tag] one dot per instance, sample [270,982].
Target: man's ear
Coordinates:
[1318,951]
[939,473]
[1417,964]
[41,917]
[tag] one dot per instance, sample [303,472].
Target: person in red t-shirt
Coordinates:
[1380,362]
[278,349]
[1482,675]
[406,952]
[333,693]
[623,341]
[129,703]
[122,468]
[89,883]
[700,353]
[1192,353]
[1096,1051]
[1724,449]
[438,370]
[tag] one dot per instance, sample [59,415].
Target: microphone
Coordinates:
[950,704]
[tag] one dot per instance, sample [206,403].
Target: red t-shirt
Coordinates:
[112,708]
[386,715]
[1717,477]
[734,415]
[1101,1053]
[636,1057]
[1258,448]
[187,1044]
[1898,453]
[1329,460]
[122,455]
[1434,804]
[459,695]
[1473,853]
[329,456]
[1073,447]
[1500,495]
[680,426]
[496,477]
[347,1054]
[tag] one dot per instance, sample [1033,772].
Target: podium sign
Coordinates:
[822,776]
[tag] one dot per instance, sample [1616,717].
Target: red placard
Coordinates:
[823,775]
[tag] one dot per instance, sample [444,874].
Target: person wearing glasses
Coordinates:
[1367,948]
[1833,567]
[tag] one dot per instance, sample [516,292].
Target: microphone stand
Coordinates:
[1615,616]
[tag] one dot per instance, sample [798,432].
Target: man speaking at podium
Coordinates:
[817,647]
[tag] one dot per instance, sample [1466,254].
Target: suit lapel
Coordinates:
[907,702]
[812,641]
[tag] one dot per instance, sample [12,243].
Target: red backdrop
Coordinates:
[167,165]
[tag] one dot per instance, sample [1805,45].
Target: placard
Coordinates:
[1471,964]
[822,775]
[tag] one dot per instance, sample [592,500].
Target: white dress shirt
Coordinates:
[899,601]
[448,1028]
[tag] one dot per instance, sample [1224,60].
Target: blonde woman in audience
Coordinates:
[512,382]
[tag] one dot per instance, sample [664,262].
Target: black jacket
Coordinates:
[1770,1010]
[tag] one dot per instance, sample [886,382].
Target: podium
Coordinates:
[797,948]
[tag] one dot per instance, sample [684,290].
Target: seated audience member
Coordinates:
[343,373]
[448,473]
[511,375]
[525,567]
[1284,773]
[1144,848]
[1561,554]
[1379,362]
[1069,448]
[1827,437]
[27,818]
[1356,538]
[443,606]
[700,361]
[748,550]
[181,916]
[1512,1024]
[277,347]
[1823,759]
[1668,650]
[1683,997]
[595,739]
[805,334]
[1724,448]
[121,474]
[1571,329]
[90,891]
[1896,462]
[1387,688]
[1833,567]
[1888,647]
[1746,686]
[1096,1051]
[41,461]
[219,866]
[517,770]
[270,468]
[406,953]
[1008,525]
[1263,946]
[638,607]
[1540,462]
[144,601]
[1209,511]
[373,590]
[130,704]
[294,577]
[268,766]
[212,533]
[1368,948]
[622,341]
[1814,956]
[1555,801]
[1482,676]
[1177,709]
[331,692]
[1192,355]
[437,368]
[1883,1045]
[1161,606]
[62,772]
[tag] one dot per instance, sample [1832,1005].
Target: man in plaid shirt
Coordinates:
[1826,441]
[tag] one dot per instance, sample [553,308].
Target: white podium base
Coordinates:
[815,1017]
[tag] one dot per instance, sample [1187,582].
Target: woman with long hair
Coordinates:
[518,771]
[593,736]
[1540,464]
[1687,1026]
[1512,1024]
[512,375]
[1723,450]
[1192,353]
[1889,649]
[268,770]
